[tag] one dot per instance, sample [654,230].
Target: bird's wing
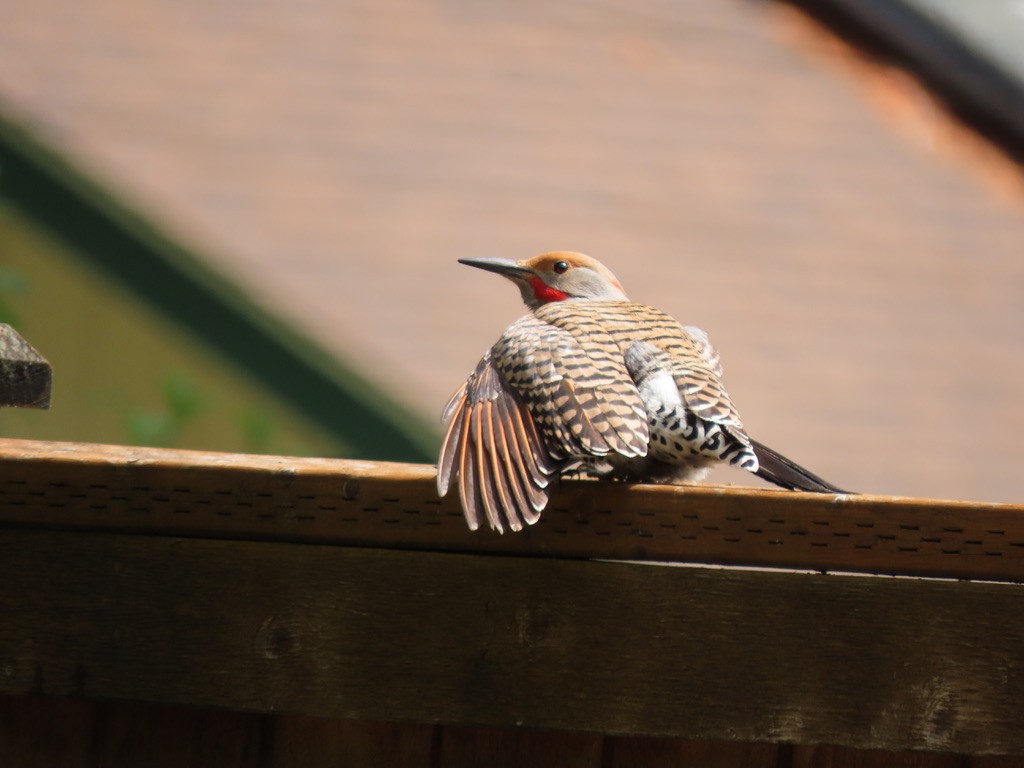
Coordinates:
[694,366]
[697,369]
[705,350]
[537,401]
[494,454]
[576,388]
[677,380]
[705,396]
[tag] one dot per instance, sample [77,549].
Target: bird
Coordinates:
[591,382]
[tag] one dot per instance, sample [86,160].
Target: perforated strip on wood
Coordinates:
[355,503]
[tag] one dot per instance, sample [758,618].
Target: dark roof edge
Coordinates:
[326,391]
[959,69]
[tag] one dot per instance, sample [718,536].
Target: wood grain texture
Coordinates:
[463,747]
[844,757]
[989,761]
[25,376]
[39,731]
[646,752]
[188,493]
[615,648]
[131,735]
[299,741]
[45,731]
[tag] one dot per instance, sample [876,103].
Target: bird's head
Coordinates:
[556,276]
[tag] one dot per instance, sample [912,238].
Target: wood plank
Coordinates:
[300,741]
[188,493]
[25,376]
[616,648]
[41,731]
[647,752]
[463,747]
[824,756]
[131,734]
[974,761]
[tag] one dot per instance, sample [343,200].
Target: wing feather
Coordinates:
[499,475]
[455,414]
[540,400]
[537,478]
[454,402]
[494,452]
[518,479]
[577,389]
[481,464]
[471,503]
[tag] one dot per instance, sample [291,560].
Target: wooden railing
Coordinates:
[347,590]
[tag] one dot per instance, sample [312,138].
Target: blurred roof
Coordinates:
[854,253]
[972,52]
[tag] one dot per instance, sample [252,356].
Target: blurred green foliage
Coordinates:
[13,284]
[259,432]
[181,404]
[124,373]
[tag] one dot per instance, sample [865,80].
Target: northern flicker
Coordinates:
[591,381]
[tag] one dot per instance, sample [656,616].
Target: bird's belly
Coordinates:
[648,469]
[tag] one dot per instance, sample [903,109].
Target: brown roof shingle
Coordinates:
[336,158]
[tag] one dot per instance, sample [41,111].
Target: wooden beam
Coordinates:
[25,376]
[187,493]
[621,648]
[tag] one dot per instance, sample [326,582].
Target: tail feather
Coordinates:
[776,468]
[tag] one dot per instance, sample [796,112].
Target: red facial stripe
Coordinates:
[545,292]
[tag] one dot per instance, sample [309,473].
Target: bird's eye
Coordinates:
[560,267]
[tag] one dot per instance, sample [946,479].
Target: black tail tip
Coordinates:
[786,473]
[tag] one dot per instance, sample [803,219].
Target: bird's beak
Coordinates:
[505,267]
